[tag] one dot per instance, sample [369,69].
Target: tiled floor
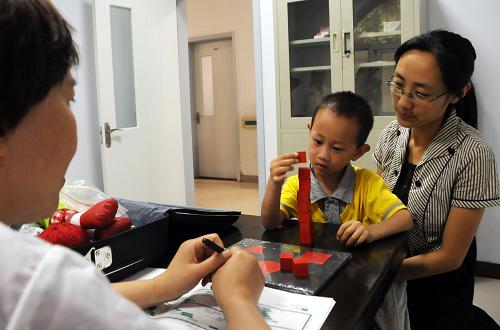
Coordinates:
[231,195]
[244,197]
[487,296]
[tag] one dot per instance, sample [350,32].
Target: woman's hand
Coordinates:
[192,262]
[237,286]
[240,278]
[353,233]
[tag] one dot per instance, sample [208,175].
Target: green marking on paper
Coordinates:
[212,327]
[265,311]
[190,315]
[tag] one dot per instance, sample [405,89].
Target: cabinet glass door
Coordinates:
[377,35]
[309,55]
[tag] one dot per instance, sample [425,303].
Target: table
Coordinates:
[358,288]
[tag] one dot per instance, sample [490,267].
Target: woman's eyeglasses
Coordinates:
[415,97]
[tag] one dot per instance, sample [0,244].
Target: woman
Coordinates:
[437,163]
[51,287]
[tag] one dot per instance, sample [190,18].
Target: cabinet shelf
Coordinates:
[310,42]
[311,68]
[379,34]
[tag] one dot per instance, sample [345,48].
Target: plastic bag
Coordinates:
[80,195]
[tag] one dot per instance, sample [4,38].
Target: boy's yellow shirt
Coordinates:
[372,200]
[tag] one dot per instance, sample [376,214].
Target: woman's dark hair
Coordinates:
[349,105]
[455,56]
[36,52]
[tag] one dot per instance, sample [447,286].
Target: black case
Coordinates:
[152,242]
[130,251]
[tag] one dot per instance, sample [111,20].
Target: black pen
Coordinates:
[212,245]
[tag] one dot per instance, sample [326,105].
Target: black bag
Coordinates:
[126,253]
[158,231]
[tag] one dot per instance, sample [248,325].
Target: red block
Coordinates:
[286,261]
[305,232]
[303,195]
[304,174]
[305,216]
[302,156]
[304,206]
[300,268]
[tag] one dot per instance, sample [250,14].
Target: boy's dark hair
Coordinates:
[36,52]
[349,105]
[455,56]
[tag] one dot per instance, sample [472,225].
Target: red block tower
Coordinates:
[304,203]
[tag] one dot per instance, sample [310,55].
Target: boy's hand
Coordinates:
[353,233]
[281,166]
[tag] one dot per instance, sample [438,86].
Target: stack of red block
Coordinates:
[304,202]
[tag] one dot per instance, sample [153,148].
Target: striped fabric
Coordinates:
[458,169]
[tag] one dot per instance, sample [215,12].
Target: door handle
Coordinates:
[335,42]
[197,117]
[347,44]
[107,134]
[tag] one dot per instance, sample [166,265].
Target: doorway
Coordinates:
[215,118]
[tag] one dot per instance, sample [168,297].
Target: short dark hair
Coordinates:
[36,53]
[455,56]
[350,105]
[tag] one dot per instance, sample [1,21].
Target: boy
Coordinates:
[358,199]
[355,198]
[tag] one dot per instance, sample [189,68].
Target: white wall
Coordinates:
[266,88]
[219,17]
[479,22]
[86,164]
[185,100]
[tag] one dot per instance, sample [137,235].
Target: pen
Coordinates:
[212,245]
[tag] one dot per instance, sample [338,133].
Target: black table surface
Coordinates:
[359,287]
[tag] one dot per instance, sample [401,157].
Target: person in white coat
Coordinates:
[52,287]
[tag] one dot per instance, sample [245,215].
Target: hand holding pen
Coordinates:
[212,245]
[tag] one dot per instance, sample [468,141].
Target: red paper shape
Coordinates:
[315,257]
[300,267]
[269,266]
[286,261]
[259,249]
[302,156]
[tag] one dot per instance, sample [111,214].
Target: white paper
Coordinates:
[281,310]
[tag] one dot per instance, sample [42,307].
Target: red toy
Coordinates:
[304,205]
[67,227]
[300,267]
[302,156]
[286,261]
[305,232]
[66,234]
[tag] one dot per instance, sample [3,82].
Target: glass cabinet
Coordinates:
[332,45]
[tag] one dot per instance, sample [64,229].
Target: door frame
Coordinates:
[194,128]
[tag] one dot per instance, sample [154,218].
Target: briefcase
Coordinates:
[128,252]
[157,232]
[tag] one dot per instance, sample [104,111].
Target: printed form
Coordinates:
[282,310]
